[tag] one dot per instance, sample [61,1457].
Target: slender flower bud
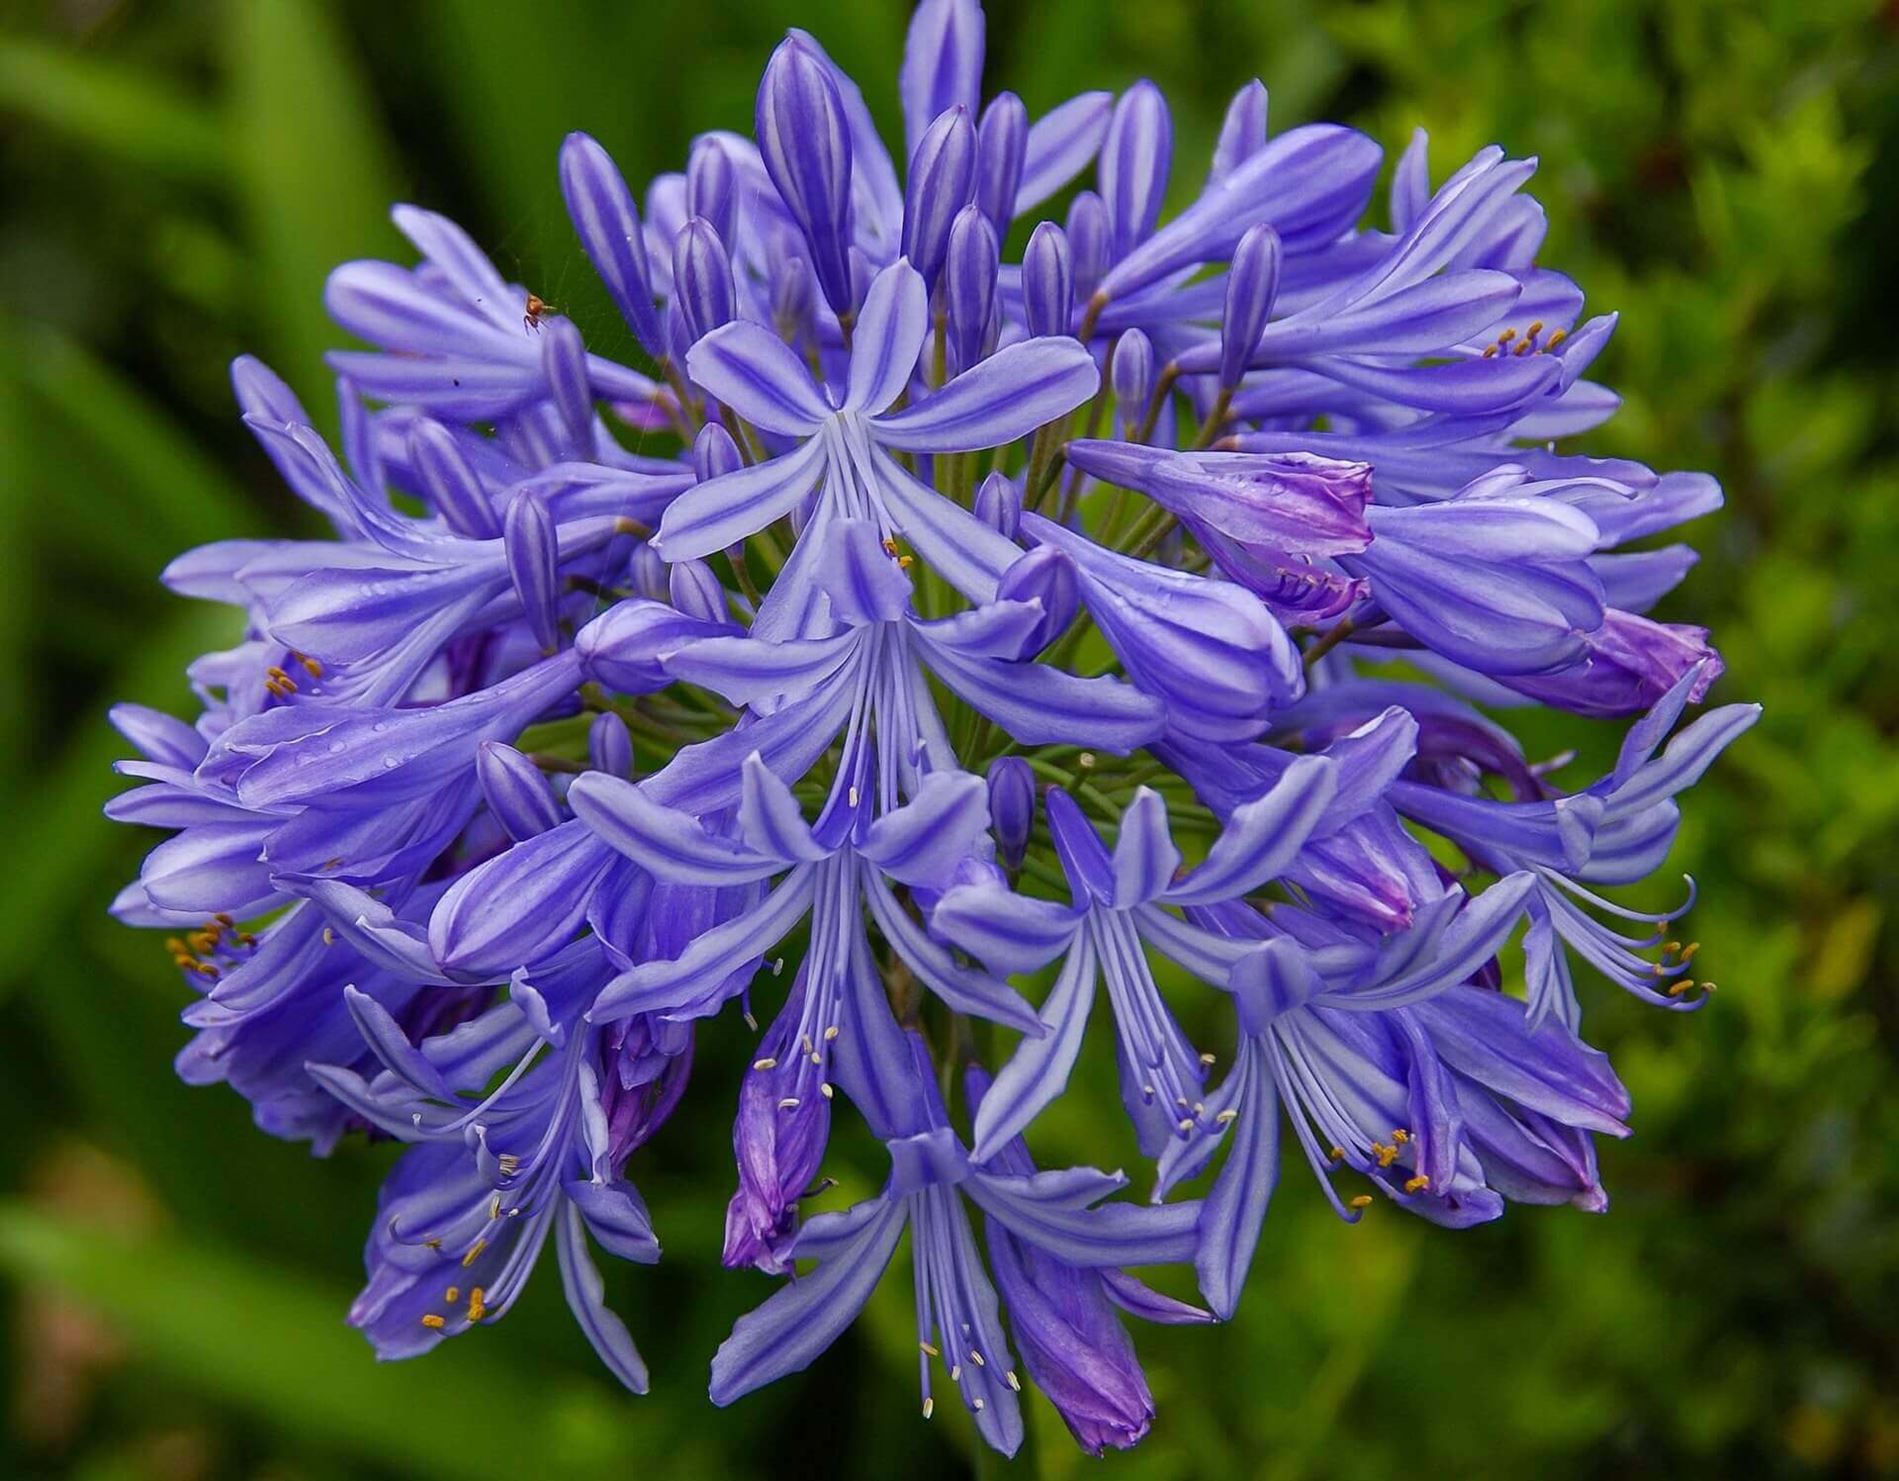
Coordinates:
[625,647]
[449,481]
[1252,283]
[940,176]
[806,145]
[610,745]
[1088,242]
[999,504]
[969,285]
[1135,160]
[1243,134]
[1002,141]
[1132,375]
[603,213]
[564,361]
[712,186]
[1048,283]
[714,453]
[533,551]
[793,293]
[702,279]
[516,791]
[697,593]
[1011,807]
[1047,576]
[650,574]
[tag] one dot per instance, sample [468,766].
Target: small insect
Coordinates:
[537,309]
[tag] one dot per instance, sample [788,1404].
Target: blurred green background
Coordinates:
[175,178]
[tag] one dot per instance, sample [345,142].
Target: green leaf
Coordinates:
[273,1344]
[121,110]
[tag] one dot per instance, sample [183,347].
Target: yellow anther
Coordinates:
[433,1321]
[1490,352]
[1536,328]
[1337,1154]
[1526,348]
[1363,1200]
[767,1063]
[1385,1155]
[890,546]
[1688,951]
[1417,1184]
[831,1032]
[475,1249]
[477,1305]
[1400,1136]
[452,1295]
[1506,336]
[1676,989]
[930,1349]
[510,1164]
[1226,1116]
[310,665]
[1557,336]
[929,1407]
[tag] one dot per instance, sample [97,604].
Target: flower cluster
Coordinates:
[994,638]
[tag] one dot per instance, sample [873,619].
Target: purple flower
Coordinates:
[551,750]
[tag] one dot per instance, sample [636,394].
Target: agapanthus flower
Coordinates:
[969,637]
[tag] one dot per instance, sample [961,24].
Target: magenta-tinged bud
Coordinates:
[1135,160]
[1011,807]
[1243,134]
[564,360]
[940,176]
[533,551]
[696,592]
[712,186]
[610,234]
[610,745]
[702,279]
[1047,576]
[1131,373]
[517,792]
[714,453]
[450,483]
[1252,285]
[1002,141]
[969,285]
[805,141]
[998,504]
[1048,281]
[1088,244]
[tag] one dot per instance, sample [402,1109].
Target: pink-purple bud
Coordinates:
[969,285]
[609,228]
[805,141]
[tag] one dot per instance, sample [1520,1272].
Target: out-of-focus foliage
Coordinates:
[176,178]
